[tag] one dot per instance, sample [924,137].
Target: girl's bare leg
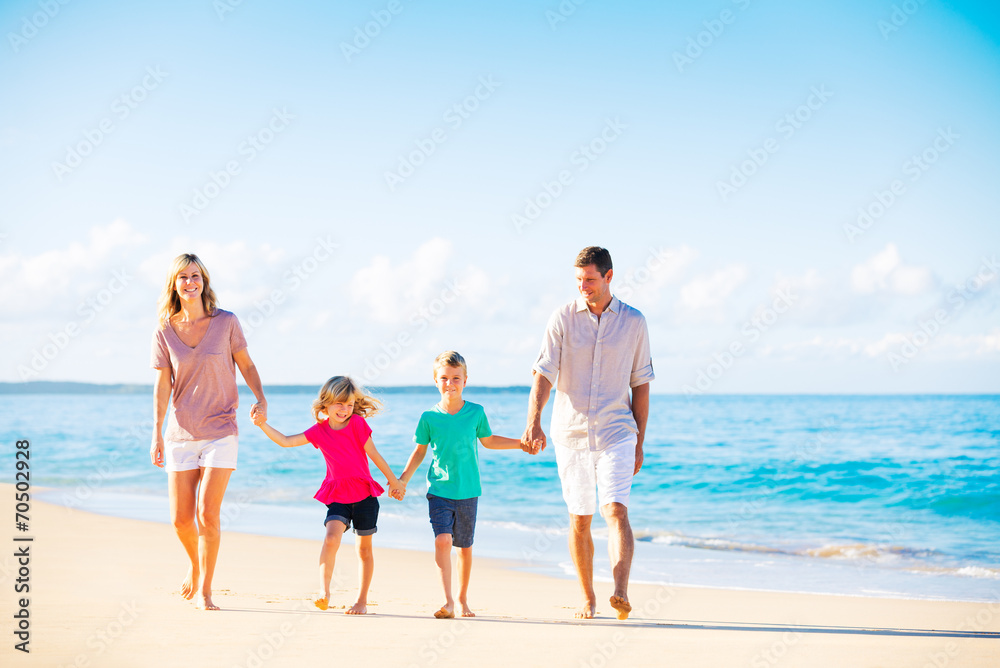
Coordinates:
[366,566]
[327,559]
[182,487]
[210,493]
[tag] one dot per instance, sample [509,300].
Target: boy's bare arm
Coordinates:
[413,462]
[495,442]
[282,440]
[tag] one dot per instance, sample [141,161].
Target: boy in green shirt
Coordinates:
[451,429]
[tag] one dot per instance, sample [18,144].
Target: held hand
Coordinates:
[397,490]
[534,439]
[156,450]
[258,412]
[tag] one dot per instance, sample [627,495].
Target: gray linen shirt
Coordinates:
[593,363]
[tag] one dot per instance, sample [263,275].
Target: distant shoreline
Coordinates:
[68,387]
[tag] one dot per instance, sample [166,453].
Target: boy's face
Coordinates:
[450,381]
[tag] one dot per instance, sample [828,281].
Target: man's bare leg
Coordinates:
[327,560]
[621,545]
[366,567]
[182,487]
[581,548]
[464,575]
[210,493]
[442,557]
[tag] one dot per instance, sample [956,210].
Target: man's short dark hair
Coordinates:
[597,256]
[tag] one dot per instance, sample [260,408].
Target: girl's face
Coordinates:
[340,411]
[189,283]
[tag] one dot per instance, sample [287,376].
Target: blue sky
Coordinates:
[364,205]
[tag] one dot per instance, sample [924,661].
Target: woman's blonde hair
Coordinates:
[341,389]
[170,303]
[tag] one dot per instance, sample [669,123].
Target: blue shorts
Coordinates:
[454,516]
[363,513]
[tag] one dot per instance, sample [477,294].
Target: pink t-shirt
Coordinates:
[204,379]
[348,479]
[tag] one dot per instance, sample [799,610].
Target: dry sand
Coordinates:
[103,593]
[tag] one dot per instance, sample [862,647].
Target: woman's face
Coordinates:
[189,283]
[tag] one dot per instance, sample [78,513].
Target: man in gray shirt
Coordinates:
[596,354]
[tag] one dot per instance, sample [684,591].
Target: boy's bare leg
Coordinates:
[442,557]
[581,548]
[464,575]
[183,490]
[210,493]
[621,545]
[327,559]
[366,566]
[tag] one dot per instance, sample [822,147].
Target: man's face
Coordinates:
[594,287]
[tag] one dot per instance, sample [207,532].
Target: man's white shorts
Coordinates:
[609,470]
[219,453]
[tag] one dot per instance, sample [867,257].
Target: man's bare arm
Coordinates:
[640,411]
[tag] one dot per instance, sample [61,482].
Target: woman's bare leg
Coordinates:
[210,493]
[182,487]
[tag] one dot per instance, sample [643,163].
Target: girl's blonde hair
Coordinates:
[341,389]
[170,303]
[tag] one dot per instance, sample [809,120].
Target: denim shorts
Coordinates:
[363,513]
[454,516]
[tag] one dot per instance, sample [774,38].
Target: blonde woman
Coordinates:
[195,351]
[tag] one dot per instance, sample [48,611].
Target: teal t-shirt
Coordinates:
[454,445]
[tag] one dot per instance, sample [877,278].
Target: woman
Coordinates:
[194,351]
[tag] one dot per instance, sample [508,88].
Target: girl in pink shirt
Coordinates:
[349,491]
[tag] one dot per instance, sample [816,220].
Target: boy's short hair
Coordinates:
[597,256]
[449,358]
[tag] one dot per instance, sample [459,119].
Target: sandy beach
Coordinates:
[103,593]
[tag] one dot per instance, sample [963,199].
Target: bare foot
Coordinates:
[466,611]
[621,605]
[190,584]
[586,611]
[359,608]
[204,602]
[322,601]
[446,612]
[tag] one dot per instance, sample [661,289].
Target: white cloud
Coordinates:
[885,271]
[709,293]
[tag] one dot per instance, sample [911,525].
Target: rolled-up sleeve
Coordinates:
[547,363]
[642,363]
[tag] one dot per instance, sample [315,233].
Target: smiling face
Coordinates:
[596,289]
[189,283]
[340,412]
[450,381]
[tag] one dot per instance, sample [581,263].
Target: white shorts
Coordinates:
[219,453]
[609,470]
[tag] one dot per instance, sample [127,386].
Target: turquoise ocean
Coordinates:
[853,495]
